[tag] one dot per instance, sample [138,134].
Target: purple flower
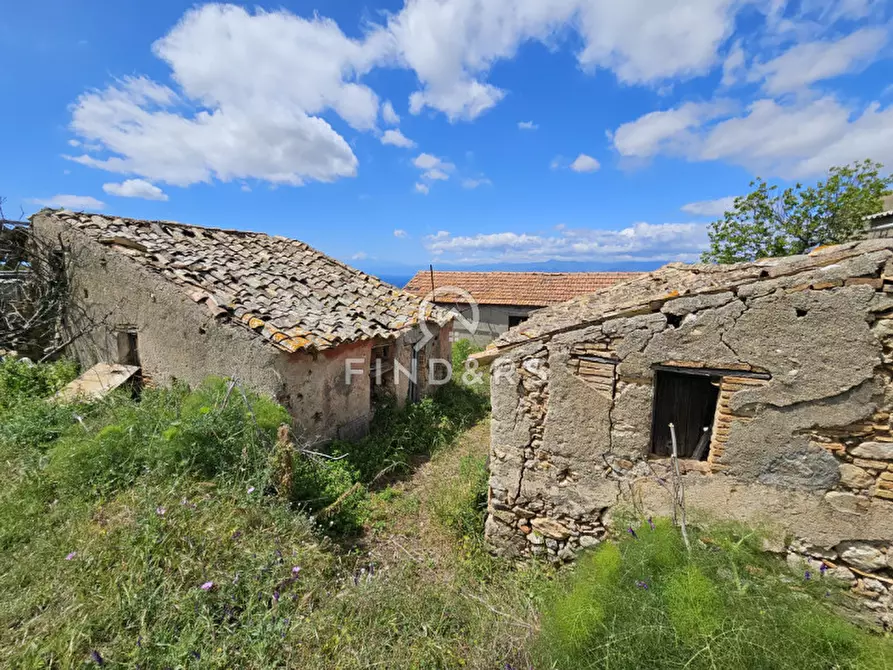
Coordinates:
[207,586]
[642,585]
[160,511]
[295,570]
[250,490]
[632,532]
[823,569]
[276,596]
[71,556]
[651,523]
[807,575]
[97,657]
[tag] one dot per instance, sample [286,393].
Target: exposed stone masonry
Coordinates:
[801,439]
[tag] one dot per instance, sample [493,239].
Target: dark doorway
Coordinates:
[128,352]
[687,401]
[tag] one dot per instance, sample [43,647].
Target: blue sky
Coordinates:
[477,132]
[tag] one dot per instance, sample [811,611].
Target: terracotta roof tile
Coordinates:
[287,292]
[532,289]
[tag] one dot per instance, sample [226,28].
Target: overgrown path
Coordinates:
[415,519]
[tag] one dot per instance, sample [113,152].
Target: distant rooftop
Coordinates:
[527,289]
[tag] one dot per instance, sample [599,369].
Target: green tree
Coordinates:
[768,222]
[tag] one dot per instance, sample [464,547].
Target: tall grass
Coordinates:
[645,602]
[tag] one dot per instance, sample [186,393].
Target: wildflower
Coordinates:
[236,534]
[97,657]
[71,556]
[197,656]
[651,523]
[160,511]
[807,575]
[632,532]
[295,570]
[276,596]
[207,586]
[642,585]
[250,490]
[823,569]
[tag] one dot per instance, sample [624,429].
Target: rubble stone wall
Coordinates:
[801,441]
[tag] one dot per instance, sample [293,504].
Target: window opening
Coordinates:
[688,401]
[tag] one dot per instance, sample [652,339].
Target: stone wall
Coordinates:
[801,439]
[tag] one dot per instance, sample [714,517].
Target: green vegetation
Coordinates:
[645,602]
[164,532]
[767,222]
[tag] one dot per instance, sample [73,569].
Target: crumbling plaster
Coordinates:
[564,452]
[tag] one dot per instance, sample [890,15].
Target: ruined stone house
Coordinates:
[187,302]
[778,378]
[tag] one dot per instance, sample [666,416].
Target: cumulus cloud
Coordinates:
[452,45]
[397,139]
[584,163]
[75,202]
[388,114]
[527,125]
[638,242]
[251,89]
[424,189]
[802,138]
[433,169]
[400,233]
[716,207]
[135,188]
[665,130]
[810,62]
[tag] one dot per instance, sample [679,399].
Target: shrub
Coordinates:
[170,431]
[21,380]
[646,602]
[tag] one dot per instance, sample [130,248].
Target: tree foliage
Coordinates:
[768,222]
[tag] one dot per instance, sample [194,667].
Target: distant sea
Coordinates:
[397,280]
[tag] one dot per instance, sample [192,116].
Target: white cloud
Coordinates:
[388,114]
[585,163]
[397,139]
[400,233]
[251,89]
[661,131]
[359,256]
[733,67]
[475,183]
[452,45]
[710,207]
[799,139]
[75,202]
[426,161]
[556,163]
[433,169]
[810,62]
[527,125]
[135,188]
[638,242]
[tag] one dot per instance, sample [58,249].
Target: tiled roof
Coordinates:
[282,289]
[534,289]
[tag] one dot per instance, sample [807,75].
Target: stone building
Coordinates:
[778,377]
[186,302]
[504,299]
